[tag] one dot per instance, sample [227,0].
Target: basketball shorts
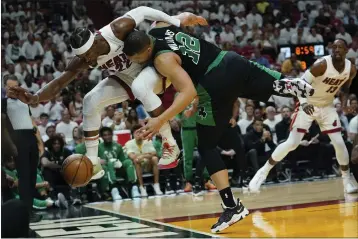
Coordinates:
[326,117]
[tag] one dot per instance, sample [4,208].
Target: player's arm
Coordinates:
[54,87]
[316,70]
[347,85]
[169,65]
[124,25]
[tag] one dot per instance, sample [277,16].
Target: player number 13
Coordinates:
[190,47]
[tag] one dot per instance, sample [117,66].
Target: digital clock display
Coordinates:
[306,53]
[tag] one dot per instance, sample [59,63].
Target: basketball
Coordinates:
[77,170]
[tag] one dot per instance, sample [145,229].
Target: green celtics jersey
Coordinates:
[196,54]
[111,151]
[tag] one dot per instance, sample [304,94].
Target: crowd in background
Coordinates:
[35,49]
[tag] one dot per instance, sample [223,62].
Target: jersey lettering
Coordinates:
[332,81]
[169,38]
[190,46]
[120,63]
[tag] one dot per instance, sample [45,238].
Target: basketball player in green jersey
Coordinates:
[198,68]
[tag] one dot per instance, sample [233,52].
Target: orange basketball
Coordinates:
[77,170]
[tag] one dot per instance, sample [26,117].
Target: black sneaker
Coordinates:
[178,187]
[168,188]
[198,189]
[35,217]
[229,217]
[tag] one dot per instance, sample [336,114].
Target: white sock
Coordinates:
[92,148]
[166,132]
[267,167]
[346,174]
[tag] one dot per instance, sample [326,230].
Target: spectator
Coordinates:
[52,161]
[227,35]
[208,34]
[68,54]
[50,132]
[52,55]
[22,67]
[298,37]
[143,155]
[108,120]
[14,50]
[24,32]
[78,138]
[291,64]
[245,122]
[132,119]
[283,127]
[353,109]
[257,57]
[255,141]
[60,68]
[328,36]
[113,157]
[38,68]
[314,37]
[76,107]
[32,48]
[287,31]
[54,109]
[43,124]
[272,121]
[322,20]
[36,111]
[351,27]
[10,70]
[253,17]
[344,35]
[353,128]
[66,126]
[118,121]
[341,115]
[353,52]
[30,85]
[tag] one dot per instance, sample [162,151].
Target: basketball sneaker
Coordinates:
[197,189]
[229,217]
[143,192]
[258,180]
[168,188]
[296,87]
[98,171]
[157,190]
[135,192]
[170,155]
[350,185]
[115,194]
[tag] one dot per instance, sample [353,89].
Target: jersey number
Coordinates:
[332,89]
[190,47]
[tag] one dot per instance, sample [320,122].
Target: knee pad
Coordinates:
[90,102]
[212,160]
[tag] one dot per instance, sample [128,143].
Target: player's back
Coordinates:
[327,85]
[196,54]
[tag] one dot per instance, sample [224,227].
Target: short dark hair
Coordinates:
[135,128]
[44,115]
[79,37]
[344,41]
[10,77]
[257,119]
[105,129]
[286,107]
[135,42]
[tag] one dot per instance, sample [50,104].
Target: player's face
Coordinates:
[90,57]
[339,50]
[142,57]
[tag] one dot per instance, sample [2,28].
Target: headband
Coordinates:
[83,49]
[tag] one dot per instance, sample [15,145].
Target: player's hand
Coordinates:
[232,122]
[308,108]
[151,128]
[17,92]
[190,19]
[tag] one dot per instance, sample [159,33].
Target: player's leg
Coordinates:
[234,211]
[300,124]
[107,92]
[145,88]
[131,177]
[188,140]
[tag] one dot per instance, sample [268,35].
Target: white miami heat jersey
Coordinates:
[327,85]
[116,61]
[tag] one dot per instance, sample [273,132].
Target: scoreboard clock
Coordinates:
[306,53]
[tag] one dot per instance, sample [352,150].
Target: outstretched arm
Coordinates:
[52,88]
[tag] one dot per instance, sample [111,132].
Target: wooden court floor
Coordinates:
[310,209]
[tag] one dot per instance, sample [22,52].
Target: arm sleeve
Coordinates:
[142,13]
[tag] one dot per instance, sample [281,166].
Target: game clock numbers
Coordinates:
[306,53]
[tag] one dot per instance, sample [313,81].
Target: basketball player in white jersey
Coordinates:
[327,75]
[128,80]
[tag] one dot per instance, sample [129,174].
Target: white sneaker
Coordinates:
[61,201]
[258,180]
[157,190]
[170,155]
[115,194]
[143,192]
[296,87]
[98,172]
[135,192]
[350,186]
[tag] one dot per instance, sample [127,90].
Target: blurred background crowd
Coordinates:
[35,49]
